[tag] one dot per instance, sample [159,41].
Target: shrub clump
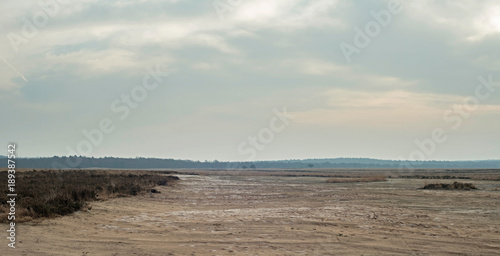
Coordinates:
[50,193]
[453,186]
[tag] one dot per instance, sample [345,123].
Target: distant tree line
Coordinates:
[76,162]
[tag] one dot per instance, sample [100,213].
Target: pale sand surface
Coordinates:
[234,215]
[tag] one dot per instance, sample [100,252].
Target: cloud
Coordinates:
[355,76]
[95,63]
[401,110]
[469,20]
[318,67]
[284,15]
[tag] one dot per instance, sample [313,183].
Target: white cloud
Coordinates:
[353,74]
[214,41]
[341,98]
[96,62]
[487,24]
[387,110]
[123,3]
[318,67]
[470,20]
[284,15]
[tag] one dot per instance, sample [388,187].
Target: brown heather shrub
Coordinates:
[360,179]
[454,186]
[50,193]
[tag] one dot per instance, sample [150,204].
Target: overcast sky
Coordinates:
[68,67]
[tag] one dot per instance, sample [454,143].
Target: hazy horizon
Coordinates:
[253,81]
[289,159]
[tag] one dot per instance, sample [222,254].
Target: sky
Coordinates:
[251,80]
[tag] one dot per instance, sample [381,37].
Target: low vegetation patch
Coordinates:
[438,177]
[50,193]
[360,179]
[452,186]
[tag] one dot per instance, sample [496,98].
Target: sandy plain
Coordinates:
[224,214]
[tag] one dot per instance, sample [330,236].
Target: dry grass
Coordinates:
[360,179]
[53,193]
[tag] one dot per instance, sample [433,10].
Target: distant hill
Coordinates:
[159,163]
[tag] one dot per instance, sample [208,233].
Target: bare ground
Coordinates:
[262,215]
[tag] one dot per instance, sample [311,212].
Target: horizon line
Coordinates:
[275,160]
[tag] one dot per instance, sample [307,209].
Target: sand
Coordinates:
[234,215]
